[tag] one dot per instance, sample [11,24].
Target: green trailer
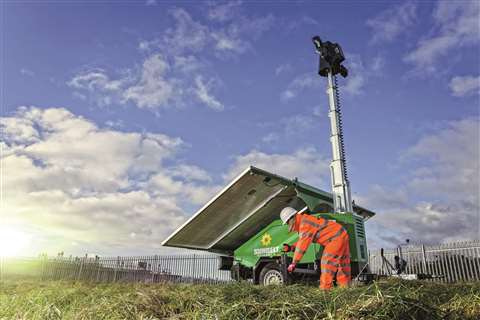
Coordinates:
[241,224]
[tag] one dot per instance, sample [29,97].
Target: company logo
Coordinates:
[266,251]
[266,239]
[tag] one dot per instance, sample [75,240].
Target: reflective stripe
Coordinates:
[318,234]
[306,235]
[332,263]
[344,264]
[343,273]
[336,235]
[328,271]
[326,254]
[297,249]
[323,226]
[311,223]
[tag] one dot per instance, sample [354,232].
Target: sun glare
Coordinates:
[12,242]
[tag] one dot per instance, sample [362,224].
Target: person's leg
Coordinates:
[344,267]
[329,265]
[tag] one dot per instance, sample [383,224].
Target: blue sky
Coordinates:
[128,116]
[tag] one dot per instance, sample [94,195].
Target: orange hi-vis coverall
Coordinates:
[336,253]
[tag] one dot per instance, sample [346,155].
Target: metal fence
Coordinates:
[193,268]
[449,262]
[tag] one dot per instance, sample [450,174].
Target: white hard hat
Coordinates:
[287,213]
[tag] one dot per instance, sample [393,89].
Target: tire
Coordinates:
[271,275]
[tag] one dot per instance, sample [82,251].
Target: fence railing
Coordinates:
[446,262]
[451,262]
[193,268]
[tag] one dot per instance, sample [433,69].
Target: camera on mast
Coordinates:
[331,58]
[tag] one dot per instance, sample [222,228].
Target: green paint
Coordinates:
[251,251]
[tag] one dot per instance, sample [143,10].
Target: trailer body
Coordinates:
[269,241]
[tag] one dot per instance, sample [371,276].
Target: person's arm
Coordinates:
[301,246]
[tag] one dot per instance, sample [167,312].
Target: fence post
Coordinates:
[115,269]
[80,269]
[424,257]
[194,267]
[98,271]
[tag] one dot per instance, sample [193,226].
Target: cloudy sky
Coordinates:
[120,119]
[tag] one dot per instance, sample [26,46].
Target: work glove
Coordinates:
[291,267]
[286,248]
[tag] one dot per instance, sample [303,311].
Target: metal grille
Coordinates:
[449,262]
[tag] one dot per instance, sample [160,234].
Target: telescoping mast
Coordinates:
[330,64]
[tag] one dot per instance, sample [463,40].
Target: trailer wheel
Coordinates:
[271,275]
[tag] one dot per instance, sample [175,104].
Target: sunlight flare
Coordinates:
[12,242]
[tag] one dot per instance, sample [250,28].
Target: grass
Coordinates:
[381,300]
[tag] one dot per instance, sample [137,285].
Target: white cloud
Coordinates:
[145,45]
[187,35]
[222,12]
[359,70]
[456,27]
[177,68]
[187,64]
[306,163]
[319,111]
[284,68]
[101,89]
[271,137]
[455,160]
[114,124]
[300,83]
[154,89]
[391,23]
[297,124]
[93,80]
[378,63]
[177,74]
[289,127]
[233,34]
[74,182]
[202,91]
[440,201]
[159,84]
[190,173]
[358,73]
[296,23]
[27,72]
[237,37]
[464,86]
[151,3]
[226,43]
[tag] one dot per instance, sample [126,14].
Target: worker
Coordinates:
[328,233]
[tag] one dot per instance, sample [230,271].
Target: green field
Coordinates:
[381,300]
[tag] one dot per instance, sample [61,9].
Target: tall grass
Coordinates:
[381,300]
